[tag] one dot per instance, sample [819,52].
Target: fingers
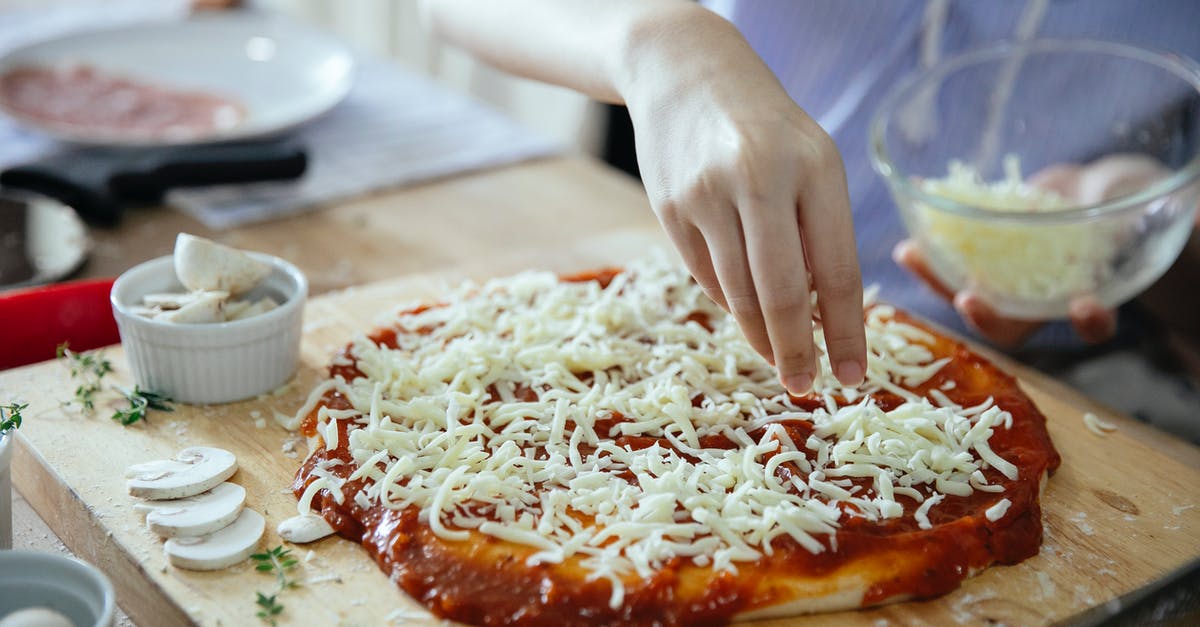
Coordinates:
[724,239]
[978,314]
[691,246]
[1104,179]
[1092,321]
[828,228]
[1117,175]
[776,258]
[1062,178]
[908,255]
[1001,331]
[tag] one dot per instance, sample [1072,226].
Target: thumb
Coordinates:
[1092,321]
[1001,331]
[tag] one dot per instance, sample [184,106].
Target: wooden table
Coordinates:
[455,222]
[484,223]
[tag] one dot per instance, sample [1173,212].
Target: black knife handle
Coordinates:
[78,183]
[147,177]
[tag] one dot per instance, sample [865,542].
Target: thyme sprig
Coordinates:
[270,607]
[279,561]
[88,367]
[139,402]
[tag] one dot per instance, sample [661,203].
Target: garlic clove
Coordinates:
[304,529]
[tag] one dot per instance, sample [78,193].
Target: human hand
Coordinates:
[749,188]
[1093,322]
[752,192]
[1103,179]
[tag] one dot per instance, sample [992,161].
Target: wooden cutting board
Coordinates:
[1122,513]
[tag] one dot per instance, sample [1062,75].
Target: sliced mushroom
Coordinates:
[234,308]
[263,305]
[194,470]
[203,264]
[195,515]
[168,300]
[304,529]
[219,549]
[145,312]
[204,307]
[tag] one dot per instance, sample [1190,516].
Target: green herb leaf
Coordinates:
[10,416]
[139,401]
[279,561]
[89,367]
[270,607]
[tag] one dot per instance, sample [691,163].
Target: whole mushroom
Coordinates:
[204,265]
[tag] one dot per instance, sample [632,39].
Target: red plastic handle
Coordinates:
[34,321]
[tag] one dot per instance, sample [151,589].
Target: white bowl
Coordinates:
[211,363]
[64,584]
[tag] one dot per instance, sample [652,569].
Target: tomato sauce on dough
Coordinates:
[486,581]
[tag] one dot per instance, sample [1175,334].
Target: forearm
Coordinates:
[748,187]
[607,49]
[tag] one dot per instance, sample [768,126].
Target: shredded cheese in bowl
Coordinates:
[1006,258]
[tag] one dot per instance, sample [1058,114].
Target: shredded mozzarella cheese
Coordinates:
[1016,259]
[497,412]
[1096,425]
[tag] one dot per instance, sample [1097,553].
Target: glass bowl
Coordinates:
[1038,107]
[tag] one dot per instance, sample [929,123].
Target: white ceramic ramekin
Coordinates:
[64,584]
[211,363]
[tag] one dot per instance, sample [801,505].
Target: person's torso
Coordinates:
[838,59]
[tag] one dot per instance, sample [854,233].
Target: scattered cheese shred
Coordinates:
[1096,425]
[997,511]
[516,409]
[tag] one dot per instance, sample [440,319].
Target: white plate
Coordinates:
[283,73]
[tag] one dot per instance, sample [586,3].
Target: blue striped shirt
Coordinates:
[837,59]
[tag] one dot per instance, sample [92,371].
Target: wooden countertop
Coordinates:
[548,203]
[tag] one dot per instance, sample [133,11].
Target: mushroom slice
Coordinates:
[168,300]
[221,548]
[203,264]
[304,529]
[195,515]
[145,312]
[262,306]
[203,308]
[234,308]
[194,470]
